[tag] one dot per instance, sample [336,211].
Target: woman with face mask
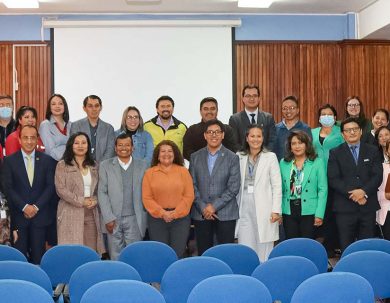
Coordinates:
[326,137]
[7,122]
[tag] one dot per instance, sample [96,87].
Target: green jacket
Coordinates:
[314,188]
[174,133]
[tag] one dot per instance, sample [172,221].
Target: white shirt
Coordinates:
[125,166]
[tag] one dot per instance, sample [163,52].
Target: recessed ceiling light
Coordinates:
[255,3]
[21,3]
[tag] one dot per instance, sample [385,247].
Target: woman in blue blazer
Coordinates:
[304,187]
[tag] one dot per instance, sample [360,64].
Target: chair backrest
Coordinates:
[59,262]
[94,272]
[19,270]
[182,276]
[282,275]
[334,287]
[241,258]
[368,244]
[372,265]
[18,291]
[304,247]
[230,289]
[8,253]
[150,258]
[122,291]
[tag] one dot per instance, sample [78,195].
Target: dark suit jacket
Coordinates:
[20,192]
[220,189]
[240,122]
[344,175]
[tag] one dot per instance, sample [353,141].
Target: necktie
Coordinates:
[30,169]
[253,121]
[354,153]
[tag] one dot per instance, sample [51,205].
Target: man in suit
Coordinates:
[29,185]
[100,133]
[215,171]
[119,196]
[252,115]
[354,174]
[194,139]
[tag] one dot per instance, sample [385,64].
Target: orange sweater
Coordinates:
[167,189]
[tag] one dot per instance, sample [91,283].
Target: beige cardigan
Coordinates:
[70,214]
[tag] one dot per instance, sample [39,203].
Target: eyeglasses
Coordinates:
[288,108]
[132,117]
[350,130]
[214,132]
[353,105]
[251,96]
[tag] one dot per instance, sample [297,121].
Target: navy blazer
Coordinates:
[19,191]
[240,122]
[344,175]
[220,188]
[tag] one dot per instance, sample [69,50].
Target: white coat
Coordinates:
[268,194]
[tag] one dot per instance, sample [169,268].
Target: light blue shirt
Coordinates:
[211,158]
[357,149]
[159,122]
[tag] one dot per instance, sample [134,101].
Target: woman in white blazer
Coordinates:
[260,196]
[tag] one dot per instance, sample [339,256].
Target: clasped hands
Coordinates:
[358,196]
[90,202]
[209,212]
[30,211]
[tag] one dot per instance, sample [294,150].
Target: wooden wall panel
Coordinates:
[6,69]
[33,64]
[317,73]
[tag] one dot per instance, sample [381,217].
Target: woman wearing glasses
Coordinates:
[133,123]
[354,108]
[304,187]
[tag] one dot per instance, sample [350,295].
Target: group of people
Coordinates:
[84,183]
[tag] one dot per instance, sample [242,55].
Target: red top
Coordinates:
[12,144]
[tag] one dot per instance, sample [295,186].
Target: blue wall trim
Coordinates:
[254,27]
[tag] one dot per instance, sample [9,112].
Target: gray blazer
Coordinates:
[110,191]
[105,137]
[220,189]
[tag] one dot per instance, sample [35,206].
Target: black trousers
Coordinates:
[31,242]
[355,226]
[297,225]
[205,229]
[174,234]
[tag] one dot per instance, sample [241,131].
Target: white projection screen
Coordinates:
[135,65]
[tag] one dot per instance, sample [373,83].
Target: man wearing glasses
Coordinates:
[290,122]
[215,171]
[354,174]
[252,115]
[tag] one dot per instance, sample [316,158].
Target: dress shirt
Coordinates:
[248,113]
[211,158]
[164,126]
[124,165]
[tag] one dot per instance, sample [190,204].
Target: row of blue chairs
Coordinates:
[322,288]
[70,257]
[281,276]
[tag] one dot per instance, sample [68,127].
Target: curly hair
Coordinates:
[177,156]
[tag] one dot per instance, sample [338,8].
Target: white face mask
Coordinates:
[5,112]
[327,120]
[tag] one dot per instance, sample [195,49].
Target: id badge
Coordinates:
[251,189]
[3,214]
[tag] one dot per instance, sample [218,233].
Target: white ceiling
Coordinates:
[192,6]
